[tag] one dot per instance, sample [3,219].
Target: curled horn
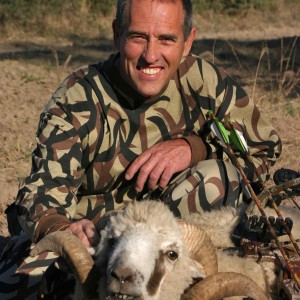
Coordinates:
[224,284]
[215,285]
[69,247]
[200,246]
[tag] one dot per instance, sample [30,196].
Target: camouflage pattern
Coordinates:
[210,184]
[94,126]
[20,274]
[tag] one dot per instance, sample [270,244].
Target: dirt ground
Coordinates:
[268,67]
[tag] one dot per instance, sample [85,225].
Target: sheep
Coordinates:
[146,253]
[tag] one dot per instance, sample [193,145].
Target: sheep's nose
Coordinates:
[123,275]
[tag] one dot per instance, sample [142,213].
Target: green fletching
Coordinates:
[219,130]
[235,138]
[223,131]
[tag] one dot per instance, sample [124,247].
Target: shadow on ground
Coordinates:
[244,54]
[270,59]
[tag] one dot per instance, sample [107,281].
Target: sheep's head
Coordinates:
[142,251]
[139,248]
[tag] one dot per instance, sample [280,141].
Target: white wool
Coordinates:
[218,224]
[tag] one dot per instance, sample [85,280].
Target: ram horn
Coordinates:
[224,284]
[200,246]
[70,248]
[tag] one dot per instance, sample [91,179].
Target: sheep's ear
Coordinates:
[196,270]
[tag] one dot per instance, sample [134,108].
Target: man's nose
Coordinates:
[151,52]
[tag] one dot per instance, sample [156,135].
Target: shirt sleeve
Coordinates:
[198,148]
[46,200]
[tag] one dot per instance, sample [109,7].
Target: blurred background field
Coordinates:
[256,41]
[87,19]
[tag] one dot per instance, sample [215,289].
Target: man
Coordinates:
[137,126]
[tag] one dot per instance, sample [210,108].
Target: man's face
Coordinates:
[152,46]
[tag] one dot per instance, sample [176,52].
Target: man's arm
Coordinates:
[47,200]
[47,196]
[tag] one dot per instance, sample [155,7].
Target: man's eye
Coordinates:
[167,41]
[138,38]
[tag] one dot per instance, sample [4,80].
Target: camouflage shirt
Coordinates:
[95,125]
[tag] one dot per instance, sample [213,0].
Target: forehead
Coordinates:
[159,13]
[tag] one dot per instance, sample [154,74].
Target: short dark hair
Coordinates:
[121,15]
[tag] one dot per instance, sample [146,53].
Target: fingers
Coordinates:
[158,164]
[149,166]
[137,164]
[166,177]
[150,172]
[85,230]
[157,176]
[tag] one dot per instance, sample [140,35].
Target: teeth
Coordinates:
[150,71]
[120,296]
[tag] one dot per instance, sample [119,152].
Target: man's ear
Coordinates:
[189,42]
[116,34]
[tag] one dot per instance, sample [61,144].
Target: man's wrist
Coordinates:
[198,148]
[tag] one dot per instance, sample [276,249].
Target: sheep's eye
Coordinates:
[172,255]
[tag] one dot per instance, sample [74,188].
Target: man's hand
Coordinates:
[159,163]
[85,230]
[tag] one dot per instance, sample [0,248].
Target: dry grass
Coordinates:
[80,19]
[57,19]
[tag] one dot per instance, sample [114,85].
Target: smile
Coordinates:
[151,71]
